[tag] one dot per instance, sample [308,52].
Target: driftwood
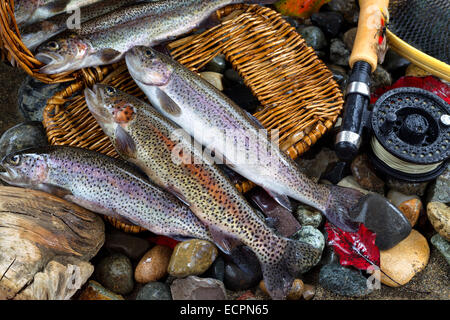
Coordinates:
[45,243]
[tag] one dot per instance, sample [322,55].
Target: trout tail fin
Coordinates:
[341,208]
[295,257]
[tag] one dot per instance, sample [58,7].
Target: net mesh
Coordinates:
[423,24]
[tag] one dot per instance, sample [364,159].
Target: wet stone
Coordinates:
[217,270]
[329,22]
[315,167]
[439,216]
[22,136]
[364,174]
[380,78]
[308,216]
[131,246]
[348,8]
[233,76]
[154,291]
[350,182]
[213,78]
[442,245]
[339,54]
[339,75]
[439,190]
[349,37]
[115,273]
[343,281]
[393,61]
[312,236]
[295,293]
[217,64]
[408,188]
[95,291]
[242,269]
[314,37]
[415,71]
[192,257]
[153,265]
[309,292]
[195,288]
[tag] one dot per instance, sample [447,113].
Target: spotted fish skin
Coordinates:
[105,40]
[104,185]
[197,106]
[146,138]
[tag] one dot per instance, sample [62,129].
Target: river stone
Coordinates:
[349,37]
[440,189]
[217,64]
[308,216]
[393,61]
[217,270]
[415,71]
[22,136]
[348,8]
[314,37]
[442,245]
[154,291]
[328,21]
[409,205]
[408,188]
[153,265]
[315,167]
[315,238]
[127,244]
[380,216]
[350,182]
[95,291]
[295,293]
[115,273]
[339,75]
[439,216]
[339,54]
[192,257]
[343,281]
[233,76]
[309,292]
[380,78]
[213,78]
[33,95]
[405,260]
[242,269]
[195,288]
[364,174]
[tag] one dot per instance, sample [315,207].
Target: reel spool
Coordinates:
[411,134]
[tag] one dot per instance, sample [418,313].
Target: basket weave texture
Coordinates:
[297,92]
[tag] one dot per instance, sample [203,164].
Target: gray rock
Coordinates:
[131,246]
[308,216]
[439,191]
[314,37]
[33,96]
[217,270]
[154,291]
[233,76]
[339,74]
[343,281]
[292,21]
[442,245]
[315,238]
[328,21]
[380,78]
[408,188]
[393,61]
[115,273]
[217,64]
[316,166]
[242,270]
[349,38]
[22,136]
[195,288]
[348,8]
[339,54]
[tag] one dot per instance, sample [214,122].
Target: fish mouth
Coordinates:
[6,174]
[54,63]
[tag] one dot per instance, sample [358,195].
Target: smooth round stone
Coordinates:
[339,54]
[365,176]
[314,37]
[442,245]
[217,64]
[295,293]
[348,8]
[292,21]
[439,190]
[329,22]
[309,292]
[350,182]
[414,71]
[33,96]
[154,291]
[233,76]
[308,216]
[343,281]
[153,265]
[217,270]
[439,216]
[213,78]
[349,37]
[380,78]
[242,271]
[22,136]
[131,246]
[115,273]
[315,167]
[405,260]
[195,288]
[315,238]
[339,75]
[411,209]
[192,257]
[95,291]
[408,188]
[393,61]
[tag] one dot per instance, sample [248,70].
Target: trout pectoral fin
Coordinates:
[58,6]
[178,194]
[166,103]
[282,199]
[124,143]
[109,55]
[223,240]
[54,190]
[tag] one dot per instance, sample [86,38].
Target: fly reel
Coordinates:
[411,134]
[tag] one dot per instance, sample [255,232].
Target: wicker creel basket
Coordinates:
[297,92]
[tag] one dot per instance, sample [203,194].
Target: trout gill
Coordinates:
[106,39]
[104,185]
[170,159]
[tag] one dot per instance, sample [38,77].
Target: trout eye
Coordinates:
[110,91]
[53,45]
[148,53]
[14,160]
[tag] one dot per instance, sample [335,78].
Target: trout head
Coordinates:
[65,52]
[114,111]
[148,66]
[25,168]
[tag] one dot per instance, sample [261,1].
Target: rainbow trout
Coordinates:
[104,185]
[31,11]
[106,39]
[165,153]
[214,120]
[39,32]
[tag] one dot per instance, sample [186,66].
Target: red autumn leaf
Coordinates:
[429,83]
[299,8]
[163,241]
[348,244]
